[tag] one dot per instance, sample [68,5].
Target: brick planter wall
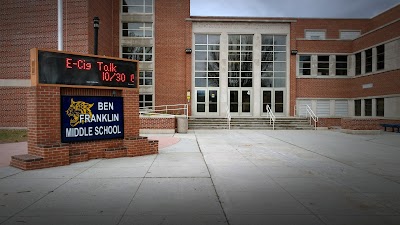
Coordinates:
[365,123]
[157,122]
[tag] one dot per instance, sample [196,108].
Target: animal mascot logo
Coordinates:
[76,109]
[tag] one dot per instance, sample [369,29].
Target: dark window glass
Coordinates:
[368,107]
[380,54]
[380,107]
[323,65]
[341,65]
[368,60]
[357,107]
[358,63]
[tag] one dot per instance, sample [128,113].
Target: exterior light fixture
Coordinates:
[188,51]
[293,52]
[96,25]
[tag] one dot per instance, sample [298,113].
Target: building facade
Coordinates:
[340,68]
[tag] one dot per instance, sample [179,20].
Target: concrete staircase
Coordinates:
[281,123]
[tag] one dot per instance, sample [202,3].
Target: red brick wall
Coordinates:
[323,88]
[385,17]
[377,37]
[332,26]
[157,123]
[365,124]
[29,24]
[172,65]
[13,106]
[108,36]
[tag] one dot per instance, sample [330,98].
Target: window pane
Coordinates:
[380,107]
[247,82]
[267,56]
[280,56]
[200,39]
[200,82]
[357,107]
[266,82]
[279,82]
[201,96]
[368,107]
[279,40]
[213,82]
[280,66]
[267,39]
[200,55]
[233,82]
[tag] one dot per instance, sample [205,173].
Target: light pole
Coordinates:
[96,23]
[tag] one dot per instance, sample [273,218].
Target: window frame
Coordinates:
[341,62]
[246,54]
[319,64]
[143,27]
[301,66]
[380,57]
[143,78]
[207,76]
[274,48]
[322,36]
[349,31]
[145,6]
[368,60]
[358,63]
[143,102]
[140,56]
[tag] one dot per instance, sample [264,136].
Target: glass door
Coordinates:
[240,102]
[275,100]
[206,102]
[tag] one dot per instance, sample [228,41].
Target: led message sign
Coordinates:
[72,69]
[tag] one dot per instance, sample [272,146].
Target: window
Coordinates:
[137,29]
[368,107]
[341,108]
[323,108]
[341,65]
[368,60]
[138,53]
[380,55]
[145,78]
[349,35]
[137,6]
[358,63]
[240,60]
[323,65]
[273,61]
[380,107]
[315,35]
[305,65]
[357,107]
[145,100]
[206,59]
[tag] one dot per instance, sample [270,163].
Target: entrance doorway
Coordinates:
[240,102]
[275,99]
[207,102]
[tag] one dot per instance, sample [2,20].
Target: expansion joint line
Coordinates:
[212,181]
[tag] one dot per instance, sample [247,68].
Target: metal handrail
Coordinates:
[164,109]
[272,117]
[312,116]
[228,117]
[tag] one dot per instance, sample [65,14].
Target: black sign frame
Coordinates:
[66,68]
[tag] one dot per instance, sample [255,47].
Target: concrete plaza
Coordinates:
[219,177]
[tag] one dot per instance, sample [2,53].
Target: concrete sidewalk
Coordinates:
[220,177]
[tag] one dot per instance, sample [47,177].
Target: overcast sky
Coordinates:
[291,8]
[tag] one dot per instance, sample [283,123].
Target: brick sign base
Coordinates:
[44,130]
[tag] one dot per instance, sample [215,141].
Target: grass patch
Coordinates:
[10,136]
